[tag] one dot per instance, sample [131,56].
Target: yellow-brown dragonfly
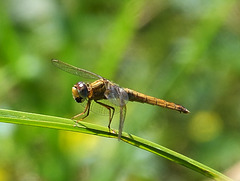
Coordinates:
[103,89]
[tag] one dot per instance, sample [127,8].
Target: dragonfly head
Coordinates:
[80,92]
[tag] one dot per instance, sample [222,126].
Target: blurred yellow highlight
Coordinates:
[205,126]
[4,174]
[75,143]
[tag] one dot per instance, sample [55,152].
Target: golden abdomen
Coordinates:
[139,97]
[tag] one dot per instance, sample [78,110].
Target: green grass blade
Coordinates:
[16,117]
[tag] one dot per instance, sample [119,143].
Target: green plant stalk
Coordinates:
[31,119]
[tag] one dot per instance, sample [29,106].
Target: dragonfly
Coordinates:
[103,89]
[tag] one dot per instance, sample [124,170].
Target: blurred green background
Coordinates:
[186,52]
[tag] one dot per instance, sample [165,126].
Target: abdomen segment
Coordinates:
[139,97]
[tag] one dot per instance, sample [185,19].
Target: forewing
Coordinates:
[75,70]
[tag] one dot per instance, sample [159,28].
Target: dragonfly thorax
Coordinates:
[80,92]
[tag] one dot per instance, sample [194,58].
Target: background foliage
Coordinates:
[182,51]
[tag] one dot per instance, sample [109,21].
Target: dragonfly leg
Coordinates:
[87,108]
[110,116]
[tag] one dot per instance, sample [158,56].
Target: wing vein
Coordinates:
[75,70]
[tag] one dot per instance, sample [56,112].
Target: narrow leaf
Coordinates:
[30,119]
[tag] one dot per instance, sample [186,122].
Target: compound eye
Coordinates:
[82,90]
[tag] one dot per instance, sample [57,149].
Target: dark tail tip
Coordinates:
[184,110]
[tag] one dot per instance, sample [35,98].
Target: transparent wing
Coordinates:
[100,110]
[121,121]
[119,97]
[75,70]
[116,95]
